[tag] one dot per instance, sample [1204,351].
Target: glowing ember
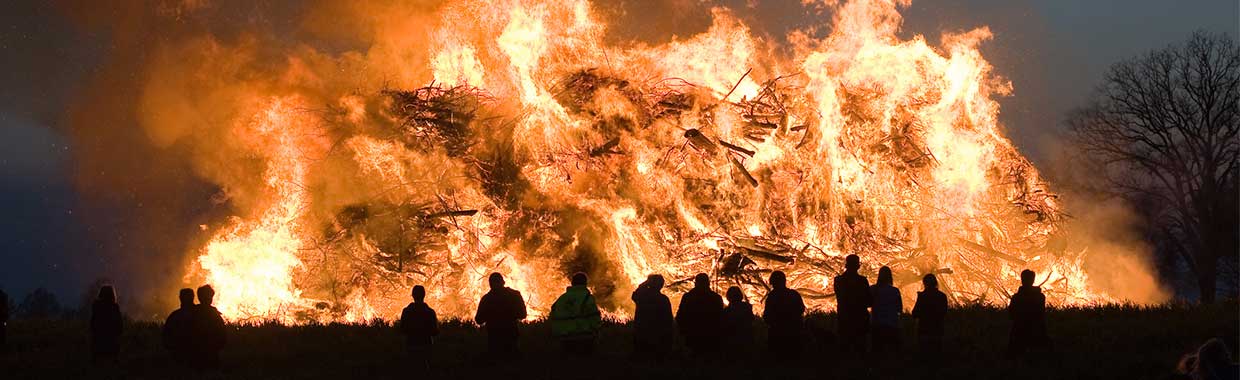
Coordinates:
[539,151]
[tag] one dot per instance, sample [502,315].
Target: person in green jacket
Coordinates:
[575,318]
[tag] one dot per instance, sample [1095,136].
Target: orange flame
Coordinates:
[630,160]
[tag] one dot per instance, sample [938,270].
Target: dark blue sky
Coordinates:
[58,234]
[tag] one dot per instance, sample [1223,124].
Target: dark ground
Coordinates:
[1115,342]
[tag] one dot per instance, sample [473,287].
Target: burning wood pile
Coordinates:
[537,161]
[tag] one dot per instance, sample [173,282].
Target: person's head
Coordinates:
[187,297]
[779,280]
[735,295]
[852,262]
[206,294]
[418,293]
[655,281]
[1213,355]
[884,276]
[579,279]
[701,281]
[496,280]
[1026,277]
[107,294]
[930,282]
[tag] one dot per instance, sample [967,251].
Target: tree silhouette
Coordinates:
[1164,128]
[39,304]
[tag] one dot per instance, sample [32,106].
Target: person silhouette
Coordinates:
[852,295]
[178,329]
[653,324]
[698,317]
[209,334]
[420,326]
[930,311]
[575,318]
[737,323]
[885,319]
[1028,314]
[105,325]
[4,321]
[783,314]
[499,313]
[1213,360]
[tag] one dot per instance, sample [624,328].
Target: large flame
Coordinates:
[538,150]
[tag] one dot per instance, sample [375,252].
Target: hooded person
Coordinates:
[699,315]
[930,310]
[1028,314]
[209,334]
[178,328]
[1211,361]
[885,316]
[575,318]
[500,311]
[105,325]
[653,324]
[737,323]
[784,316]
[852,294]
[419,325]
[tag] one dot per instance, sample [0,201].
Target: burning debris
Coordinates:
[437,116]
[540,163]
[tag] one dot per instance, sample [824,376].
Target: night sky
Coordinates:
[62,232]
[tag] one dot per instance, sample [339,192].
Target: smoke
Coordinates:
[1120,259]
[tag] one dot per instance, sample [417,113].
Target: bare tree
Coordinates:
[1164,127]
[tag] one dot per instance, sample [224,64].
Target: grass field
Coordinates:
[1115,342]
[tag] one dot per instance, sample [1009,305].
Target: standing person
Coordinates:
[500,312]
[1028,314]
[784,315]
[420,326]
[930,311]
[4,321]
[737,323]
[178,329]
[575,318]
[852,295]
[885,318]
[209,334]
[652,319]
[699,315]
[105,325]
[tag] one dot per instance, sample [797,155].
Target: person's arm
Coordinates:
[593,316]
[917,307]
[434,323]
[800,304]
[899,302]
[681,310]
[481,316]
[865,294]
[1041,306]
[403,324]
[766,311]
[165,333]
[522,312]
